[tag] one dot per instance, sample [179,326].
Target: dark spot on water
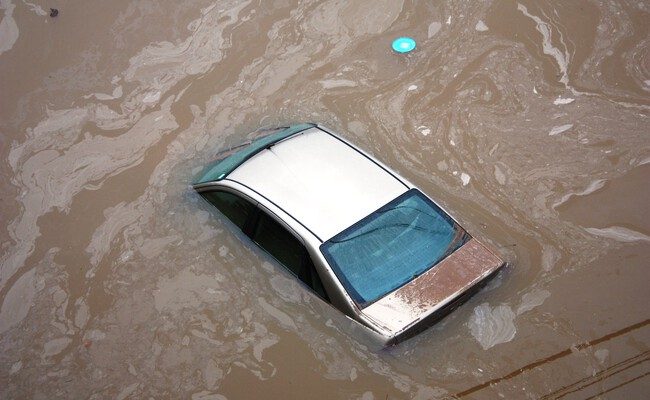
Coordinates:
[54,12]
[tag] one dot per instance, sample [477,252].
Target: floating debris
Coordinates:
[404,45]
[481,27]
[424,130]
[561,100]
[559,129]
[465,178]
[54,12]
[434,28]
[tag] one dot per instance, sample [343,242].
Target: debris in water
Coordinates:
[559,129]
[465,178]
[434,27]
[54,12]
[481,27]
[561,100]
[412,88]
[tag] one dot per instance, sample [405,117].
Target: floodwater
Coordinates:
[529,121]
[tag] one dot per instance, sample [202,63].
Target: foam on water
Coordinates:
[492,325]
[620,234]
[8,27]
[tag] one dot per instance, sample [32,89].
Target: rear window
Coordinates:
[392,246]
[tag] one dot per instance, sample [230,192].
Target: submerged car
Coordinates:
[354,232]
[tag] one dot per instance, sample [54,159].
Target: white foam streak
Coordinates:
[556,130]
[532,299]
[8,28]
[619,234]
[337,83]
[561,58]
[592,187]
[495,325]
[35,8]
[563,100]
[50,178]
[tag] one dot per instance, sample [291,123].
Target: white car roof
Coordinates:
[321,181]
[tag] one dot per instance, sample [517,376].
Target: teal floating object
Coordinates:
[403,44]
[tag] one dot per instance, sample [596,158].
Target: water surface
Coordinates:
[528,121]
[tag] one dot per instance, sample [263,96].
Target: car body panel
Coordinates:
[232,159]
[320,180]
[432,290]
[338,296]
[317,184]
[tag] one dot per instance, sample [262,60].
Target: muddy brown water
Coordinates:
[528,120]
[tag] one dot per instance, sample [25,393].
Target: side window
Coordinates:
[288,250]
[232,206]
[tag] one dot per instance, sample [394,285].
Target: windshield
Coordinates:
[392,246]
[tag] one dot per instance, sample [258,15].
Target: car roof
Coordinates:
[320,180]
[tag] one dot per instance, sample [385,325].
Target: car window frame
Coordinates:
[250,226]
[236,193]
[306,255]
[347,287]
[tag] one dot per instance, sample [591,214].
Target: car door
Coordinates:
[285,247]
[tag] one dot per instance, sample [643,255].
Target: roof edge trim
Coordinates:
[220,169]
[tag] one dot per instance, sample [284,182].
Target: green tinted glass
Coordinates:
[232,206]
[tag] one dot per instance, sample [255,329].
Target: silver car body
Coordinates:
[317,184]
